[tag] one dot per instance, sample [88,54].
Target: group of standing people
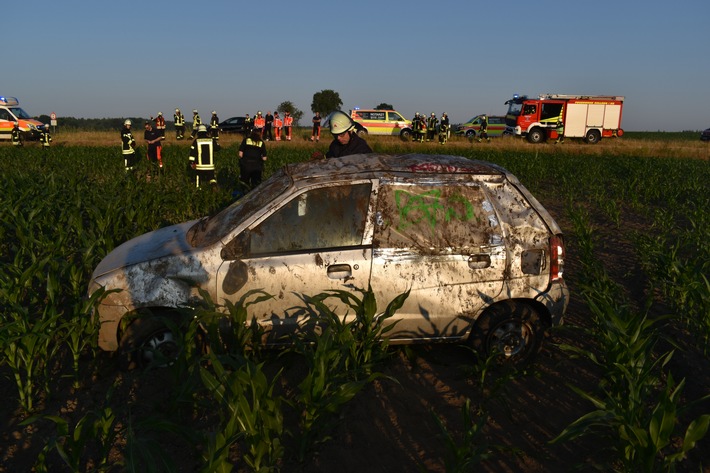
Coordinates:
[272,127]
[45,138]
[430,127]
[252,151]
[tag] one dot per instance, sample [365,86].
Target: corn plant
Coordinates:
[248,412]
[465,451]
[340,359]
[633,375]
[98,428]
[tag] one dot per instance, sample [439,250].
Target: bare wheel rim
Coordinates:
[161,347]
[510,339]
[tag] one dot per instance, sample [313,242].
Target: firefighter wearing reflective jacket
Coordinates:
[44,137]
[179,120]
[160,124]
[196,122]
[214,130]
[431,123]
[202,158]
[443,128]
[483,130]
[288,124]
[130,158]
[16,135]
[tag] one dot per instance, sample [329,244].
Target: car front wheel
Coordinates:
[511,332]
[151,341]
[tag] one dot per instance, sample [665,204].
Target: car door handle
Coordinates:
[479,261]
[340,271]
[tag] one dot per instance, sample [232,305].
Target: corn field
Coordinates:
[623,386]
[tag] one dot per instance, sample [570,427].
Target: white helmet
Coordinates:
[340,122]
[127,123]
[202,128]
[160,114]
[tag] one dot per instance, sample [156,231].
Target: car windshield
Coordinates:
[209,230]
[19,113]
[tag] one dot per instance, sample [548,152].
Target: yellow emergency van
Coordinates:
[11,113]
[381,122]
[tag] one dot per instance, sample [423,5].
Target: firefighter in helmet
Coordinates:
[16,135]
[179,120]
[214,130]
[444,128]
[483,130]
[431,123]
[345,140]
[128,142]
[196,122]
[202,158]
[160,124]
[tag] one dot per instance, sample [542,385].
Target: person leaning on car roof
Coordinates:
[345,140]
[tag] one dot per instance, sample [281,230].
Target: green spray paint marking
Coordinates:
[413,208]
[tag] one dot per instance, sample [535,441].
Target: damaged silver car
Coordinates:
[482,259]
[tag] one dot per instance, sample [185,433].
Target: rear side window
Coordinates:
[432,219]
[328,217]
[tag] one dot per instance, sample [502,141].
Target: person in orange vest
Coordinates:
[288,123]
[160,124]
[278,124]
[259,123]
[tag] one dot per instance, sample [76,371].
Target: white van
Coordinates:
[10,113]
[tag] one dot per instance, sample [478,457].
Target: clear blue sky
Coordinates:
[96,59]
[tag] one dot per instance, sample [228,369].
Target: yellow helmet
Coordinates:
[340,123]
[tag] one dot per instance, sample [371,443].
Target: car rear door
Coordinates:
[442,241]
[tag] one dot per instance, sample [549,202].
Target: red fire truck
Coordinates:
[589,117]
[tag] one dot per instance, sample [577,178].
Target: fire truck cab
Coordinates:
[11,113]
[589,117]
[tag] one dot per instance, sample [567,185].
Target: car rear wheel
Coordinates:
[511,332]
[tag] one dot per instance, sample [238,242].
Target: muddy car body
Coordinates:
[482,258]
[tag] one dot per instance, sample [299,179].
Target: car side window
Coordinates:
[327,217]
[395,117]
[433,219]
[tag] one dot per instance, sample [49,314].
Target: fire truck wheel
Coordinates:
[536,135]
[593,136]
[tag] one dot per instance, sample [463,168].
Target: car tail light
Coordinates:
[557,258]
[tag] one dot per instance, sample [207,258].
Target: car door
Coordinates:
[315,240]
[443,242]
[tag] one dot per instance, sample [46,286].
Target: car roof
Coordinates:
[374,165]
